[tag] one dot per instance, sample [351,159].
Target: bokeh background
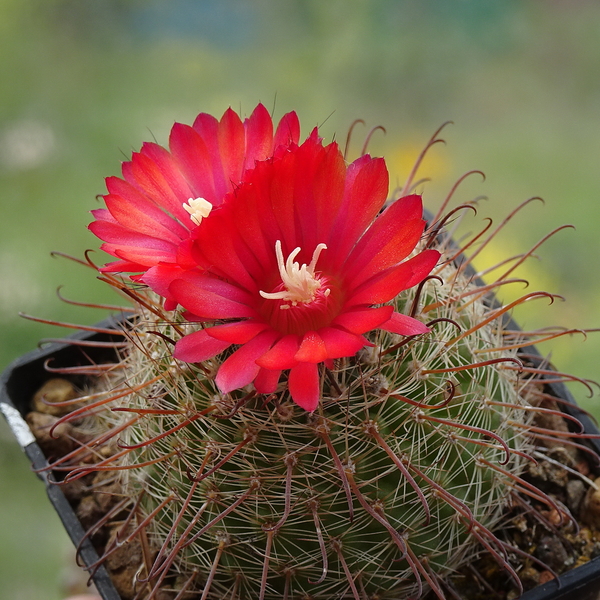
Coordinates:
[82,84]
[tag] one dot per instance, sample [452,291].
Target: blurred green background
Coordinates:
[82,84]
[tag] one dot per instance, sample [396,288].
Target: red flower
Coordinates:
[300,264]
[164,195]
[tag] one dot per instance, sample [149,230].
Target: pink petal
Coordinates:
[240,368]
[144,256]
[281,355]
[160,277]
[403,325]
[388,241]
[198,346]
[222,256]
[144,218]
[304,385]
[132,197]
[240,332]
[103,214]
[169,169]
[146,175]
[266,381]
[361,320]
[312,349]
[122,266]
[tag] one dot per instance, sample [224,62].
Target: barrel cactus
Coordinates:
[315,396]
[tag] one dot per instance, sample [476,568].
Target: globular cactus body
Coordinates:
[350,427]
[372,493]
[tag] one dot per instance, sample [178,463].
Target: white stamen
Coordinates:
[199,208]
[300,282]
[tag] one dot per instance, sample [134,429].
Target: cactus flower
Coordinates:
[164,195]
[299,262]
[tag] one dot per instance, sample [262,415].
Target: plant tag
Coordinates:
[17,424]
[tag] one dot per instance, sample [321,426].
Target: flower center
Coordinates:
[299,282]
[199,208]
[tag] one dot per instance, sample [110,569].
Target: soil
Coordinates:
[554,544]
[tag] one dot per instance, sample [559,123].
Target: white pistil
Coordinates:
[300,282]
[199,209]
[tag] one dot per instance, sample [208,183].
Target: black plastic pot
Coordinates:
[25,376]
[18,384]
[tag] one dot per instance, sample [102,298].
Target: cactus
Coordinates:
[376,470]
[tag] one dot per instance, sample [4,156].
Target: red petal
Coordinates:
[252,216]
[304,385]
[341,343]
[312,349]
[237,333]
[281,355]
[365,194]
[240,368]
[266,381]
[144,256]
[103,214]
[210,297]
[385,227]
[259,136]
[185,258]
[131,197]
[362,320]
[288,131]
[198,346]
[193,158]
[387,285]
[403,325]
[232,146]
